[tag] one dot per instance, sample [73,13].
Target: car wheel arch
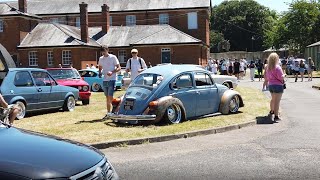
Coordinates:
[229,83]
[225,99]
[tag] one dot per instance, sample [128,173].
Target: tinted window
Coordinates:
[23,79]
[42,79]
[182,82]
[202,79]
[64,73]
[88,74]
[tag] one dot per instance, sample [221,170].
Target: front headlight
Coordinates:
[85,88]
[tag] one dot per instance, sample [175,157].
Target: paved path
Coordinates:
[289,149]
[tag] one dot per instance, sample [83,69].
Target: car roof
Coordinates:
[93,70]
[27,69]
[172,70]
[58,68]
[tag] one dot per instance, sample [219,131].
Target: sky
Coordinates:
[278,5]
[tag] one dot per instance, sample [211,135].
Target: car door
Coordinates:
[24,87]
[43,84]
[206,94]
[184,90]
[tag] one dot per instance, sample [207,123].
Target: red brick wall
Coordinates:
[196,54]
[15,29]
[77,55]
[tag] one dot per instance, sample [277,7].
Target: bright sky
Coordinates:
[278,5]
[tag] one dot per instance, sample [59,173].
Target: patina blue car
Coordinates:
[91,76]
[174,93]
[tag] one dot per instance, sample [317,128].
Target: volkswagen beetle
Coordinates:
[173,93]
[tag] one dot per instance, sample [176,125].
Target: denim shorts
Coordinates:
[276,88]
[108,87]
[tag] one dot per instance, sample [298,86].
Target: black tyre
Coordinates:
[85,101]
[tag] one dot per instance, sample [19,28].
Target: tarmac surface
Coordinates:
[289,149]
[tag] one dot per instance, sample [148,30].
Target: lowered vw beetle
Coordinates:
[173,93]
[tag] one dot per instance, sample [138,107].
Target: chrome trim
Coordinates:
[90,170]
[120,117]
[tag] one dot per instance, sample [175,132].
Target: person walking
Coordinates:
[236,68]
[302,67]
[215,67]
[311,68]
[87,66]
[265,82]
[295,70]
[260,69]
[108,66]
[276,81]
[252,67]
[242,67]
[224,68]
[210,64]
[135,65]
[230,69]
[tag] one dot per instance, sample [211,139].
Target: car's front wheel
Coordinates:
[69,104]
[22,110]
[95,87]
[173,114]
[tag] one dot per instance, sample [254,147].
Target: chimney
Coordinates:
[84,22]
[105,13]
[23,6]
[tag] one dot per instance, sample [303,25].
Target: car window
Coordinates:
[42,79]
[23,79]
[64,73]
[182,82]
[149,80]
[1,65]
[202,79]
[88,74]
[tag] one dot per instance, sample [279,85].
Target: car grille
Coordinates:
[101,171]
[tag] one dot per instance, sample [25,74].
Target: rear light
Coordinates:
[85,88]
[116,101]
[153,104]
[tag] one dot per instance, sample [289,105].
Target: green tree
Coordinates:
[245,24]
[215,39]
[299,26]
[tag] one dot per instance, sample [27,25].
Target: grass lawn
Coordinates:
[85,124]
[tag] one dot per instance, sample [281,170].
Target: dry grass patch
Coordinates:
[85,124]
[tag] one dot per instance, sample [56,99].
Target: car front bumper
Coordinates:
[120,117]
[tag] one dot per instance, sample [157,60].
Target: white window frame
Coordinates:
[50,58]
[164,18]
[1,25]
[131,20]
[165,49]
[110,20]
[193,20]
[66,57]
[78,22]
[122,56]
[33,58]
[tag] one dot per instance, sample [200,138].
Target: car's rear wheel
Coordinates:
[234,104]
[69,104]
[85,101]
[96,87]
[22,110]
[173,114]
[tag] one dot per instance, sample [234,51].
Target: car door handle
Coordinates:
[198,92]
[39,90]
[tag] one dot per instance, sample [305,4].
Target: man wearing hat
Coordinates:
[135,65]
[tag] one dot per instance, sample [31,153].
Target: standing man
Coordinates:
[108,66]
[135,65]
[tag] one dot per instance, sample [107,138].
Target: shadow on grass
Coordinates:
[264,120]
[92,121]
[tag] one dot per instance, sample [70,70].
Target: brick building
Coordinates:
[175,31]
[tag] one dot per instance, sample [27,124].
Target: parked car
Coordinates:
[174,93]
[228,81]
[91,76]
[30,155]
[70,77]
[33,89]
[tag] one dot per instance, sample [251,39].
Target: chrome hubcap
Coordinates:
[22,110]
[174,113]
[96,87]
[234,104]
[71,103]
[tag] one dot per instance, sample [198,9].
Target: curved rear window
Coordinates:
[149,80]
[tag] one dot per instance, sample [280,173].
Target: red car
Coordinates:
[70,77]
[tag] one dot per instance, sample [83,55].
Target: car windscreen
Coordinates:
[148,80]
[64,73]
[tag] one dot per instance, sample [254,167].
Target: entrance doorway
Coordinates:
[165,55]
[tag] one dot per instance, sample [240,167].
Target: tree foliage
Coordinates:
[246,24]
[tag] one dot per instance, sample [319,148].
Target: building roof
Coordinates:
[7,10]
[43,7]
[126,36]
[314,44]
[55,35]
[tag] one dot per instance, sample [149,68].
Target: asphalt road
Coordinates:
[289,149]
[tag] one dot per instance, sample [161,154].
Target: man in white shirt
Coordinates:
[93,66]
[135,65]
[108,66]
